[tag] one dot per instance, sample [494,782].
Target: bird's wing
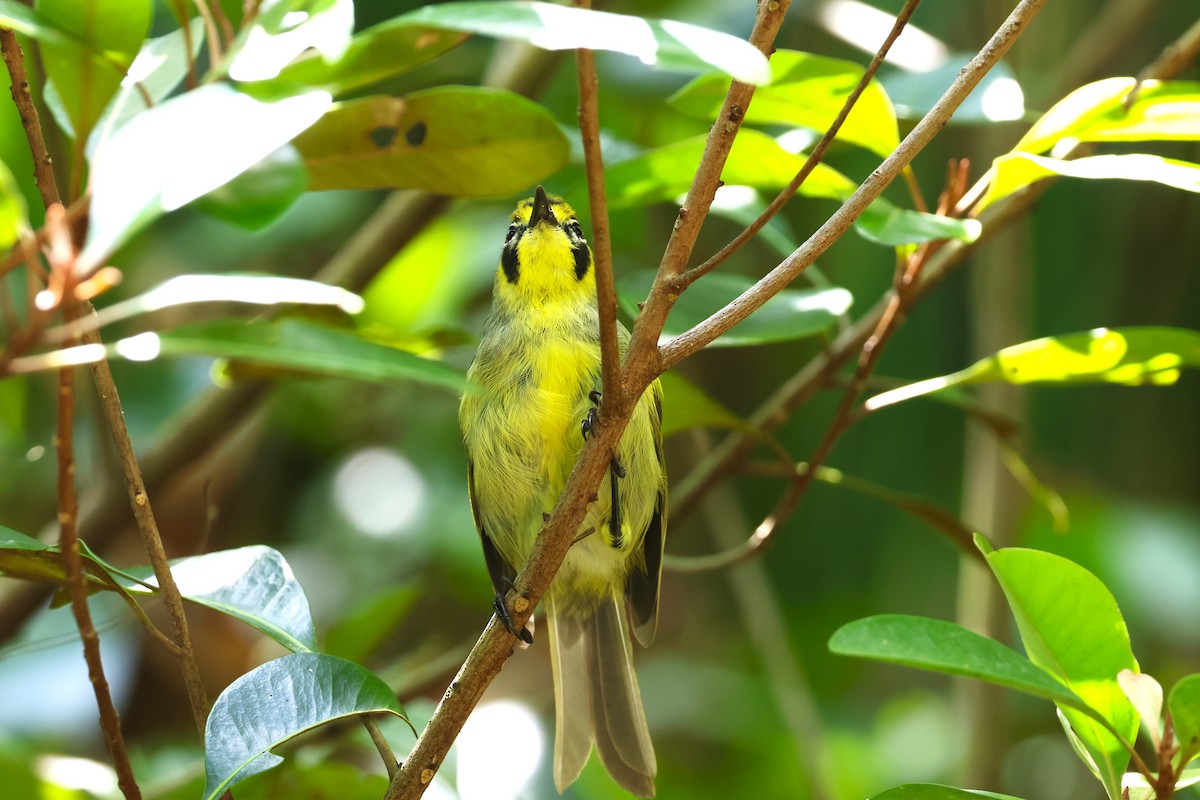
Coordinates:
[642,585]
[501,571]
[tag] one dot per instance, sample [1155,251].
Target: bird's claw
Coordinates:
[506,618]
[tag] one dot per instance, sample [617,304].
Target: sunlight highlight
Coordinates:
[77,774]
[378,491]
[866,27]
[499,750]
[1002,100]
[143,347]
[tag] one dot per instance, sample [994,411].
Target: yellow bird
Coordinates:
[536,380]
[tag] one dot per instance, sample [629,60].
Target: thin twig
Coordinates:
[606,296]
[643,356]
[693,340]
[814,158]
[381,744]
[210,28]
[900,297]
[68,512]
[1171,61]
[43,167]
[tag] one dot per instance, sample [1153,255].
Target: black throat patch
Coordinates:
[508,258]
[583,259]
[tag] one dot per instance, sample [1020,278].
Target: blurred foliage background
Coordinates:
[362,487]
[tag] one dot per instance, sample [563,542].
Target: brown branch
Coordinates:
[606,296]
[898,301]
[643,361]
[43,166]
[558,533]
[814,158]
[68,512]
[693,340]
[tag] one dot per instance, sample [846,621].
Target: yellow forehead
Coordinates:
[562,210]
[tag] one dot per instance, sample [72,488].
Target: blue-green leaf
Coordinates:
[279,700]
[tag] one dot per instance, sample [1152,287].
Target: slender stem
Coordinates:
[642,359]
[43,167]
[68,513]
[381,744]
[211,33]
[606,296]
[814,158]
[693,340]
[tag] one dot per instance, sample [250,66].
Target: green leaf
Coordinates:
[934,791]
[885,224]
[261,194]
[380,52]
[808,91]
[356,635]
[687,406]
[1129,356]
[1072,628]
[135,179]
[321,780]
[1164,110]
[279,700]
[1015,171]
[791,314]
[460,141]
[14,216]
[159,68]
[1184,704]
[32,23]
[253,584]
[283,29]
[26,558]
[756,159]
[950,649]
[663,43]
[86,73]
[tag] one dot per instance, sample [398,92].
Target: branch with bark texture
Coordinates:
[645,362]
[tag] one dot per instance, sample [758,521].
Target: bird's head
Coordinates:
[545,256]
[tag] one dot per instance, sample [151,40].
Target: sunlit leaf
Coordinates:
[1140,789]
[790,314]
[158,69]
[687,406]
[380,52]
[14,216]
[283,29]
[808,91]
[1166,110]
[253,584]
[663,43]
[32,23]
[135,178]
[278,700]
[756,159]
[951,649]
[934,791]
[1071,627]
[1015,171]
[86,73]
[261,194]
[884,223]
[1146,696]
[1130,356]
[461,141]
[1184,705]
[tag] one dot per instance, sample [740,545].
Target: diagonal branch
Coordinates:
[929,126]
[810,163]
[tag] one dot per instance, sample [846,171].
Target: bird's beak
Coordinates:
[541,209]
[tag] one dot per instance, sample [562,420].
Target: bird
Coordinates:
[534,386]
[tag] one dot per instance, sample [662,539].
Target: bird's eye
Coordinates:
[512,231]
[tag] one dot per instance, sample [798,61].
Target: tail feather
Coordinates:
[596,699]
[622,736]
[572,716]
